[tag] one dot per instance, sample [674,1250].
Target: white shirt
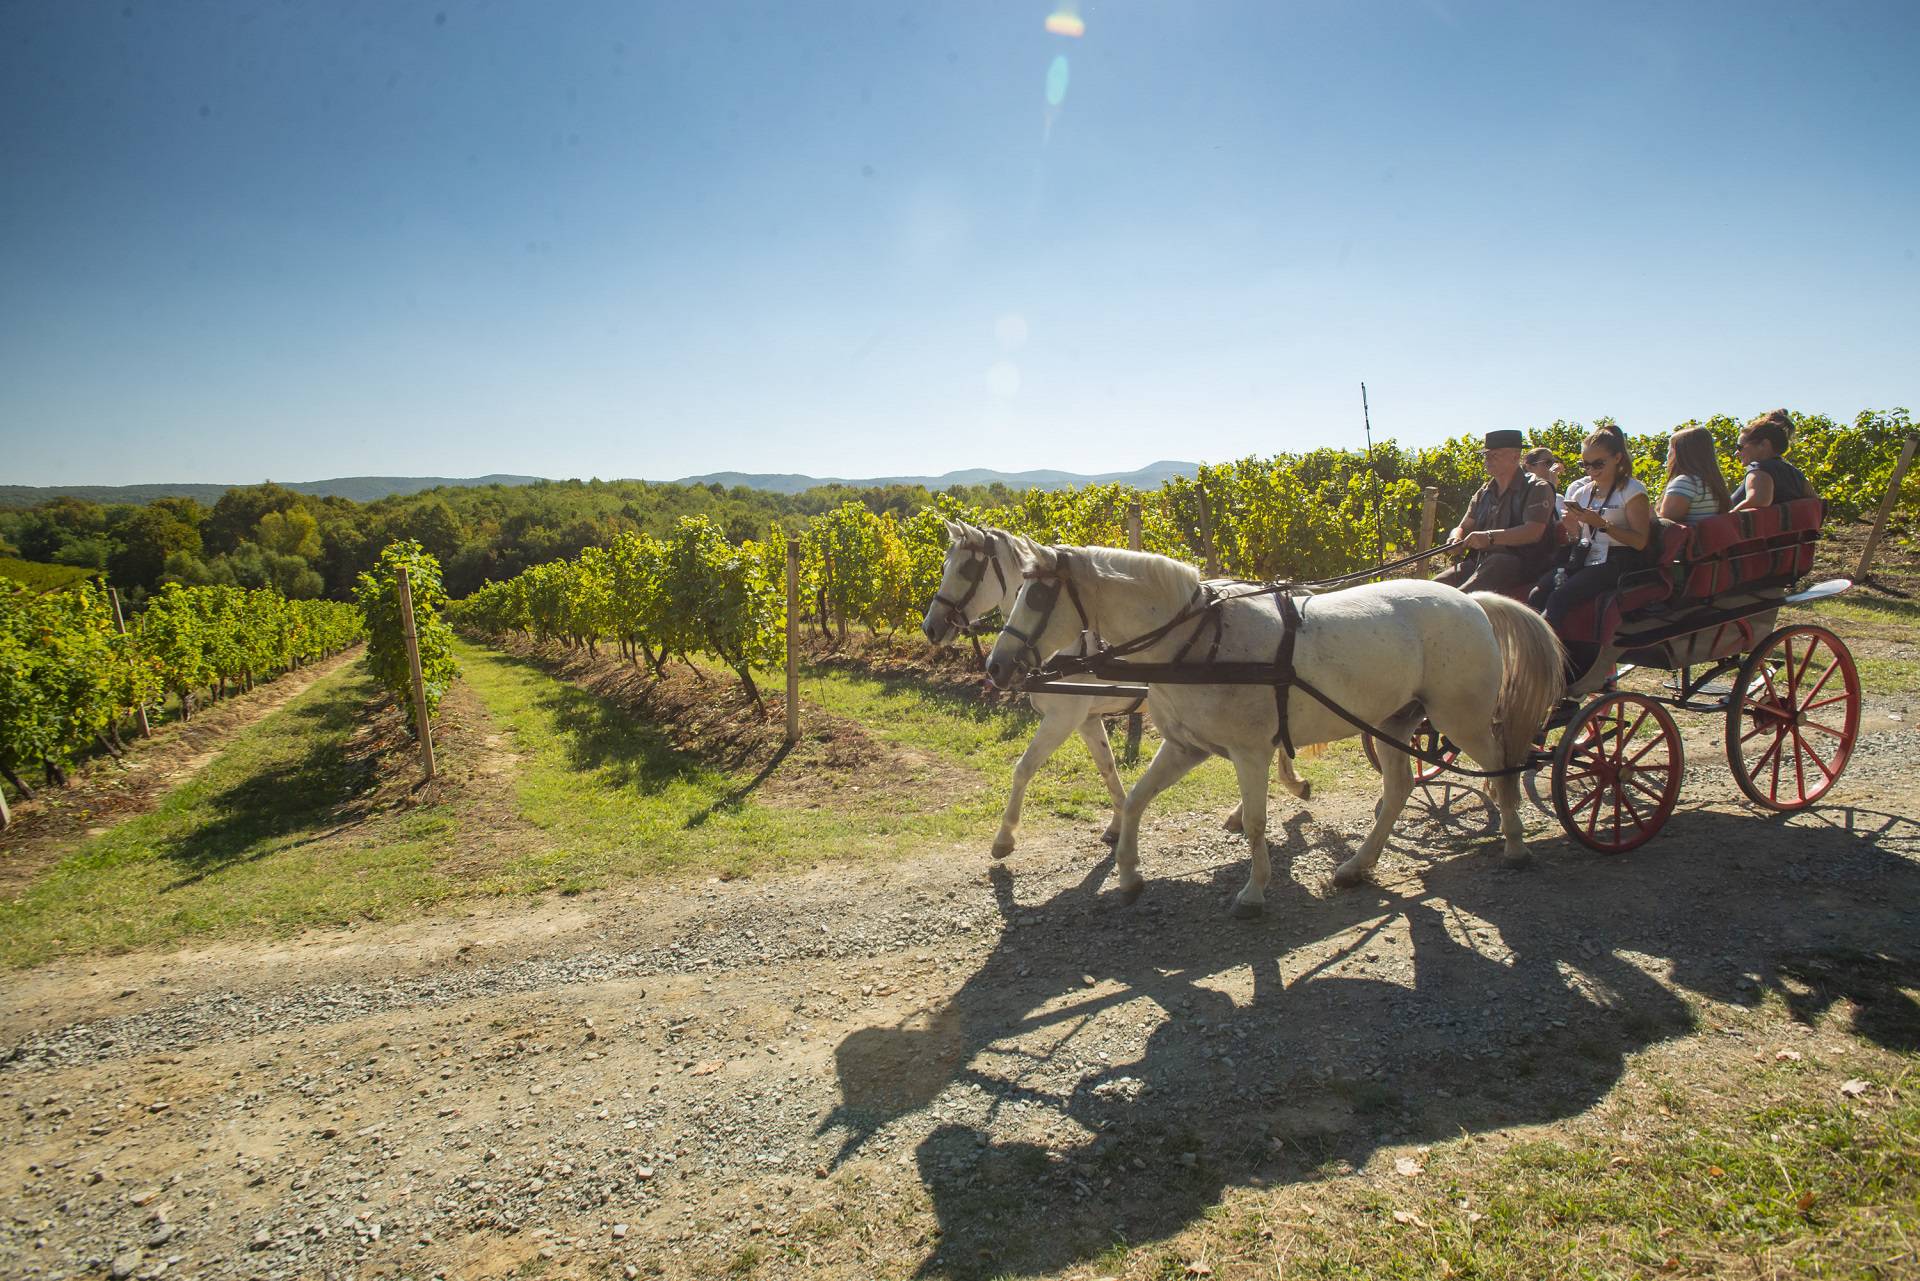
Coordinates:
[1580,494]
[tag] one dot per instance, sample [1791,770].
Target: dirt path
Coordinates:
[937,1063]
[109,792]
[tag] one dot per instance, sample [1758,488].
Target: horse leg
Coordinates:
[1252,771]
[1057,720]
[1171,763]
[1396,784]
[1292,782]
[1483,745]
[1093,731]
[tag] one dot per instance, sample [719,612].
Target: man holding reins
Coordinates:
[1507,528]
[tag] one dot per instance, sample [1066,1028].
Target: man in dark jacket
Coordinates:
[1507,525]
[1770,478]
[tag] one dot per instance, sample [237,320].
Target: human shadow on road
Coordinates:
[1094,1083]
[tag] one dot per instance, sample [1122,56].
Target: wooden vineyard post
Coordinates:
[1206,532]
[793,640]
[1134,540]
[1891,497]
[6,815]
[1429,504]
[120,625]
[413,668]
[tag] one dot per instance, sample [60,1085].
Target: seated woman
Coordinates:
[1610,518]
[1770,478]
[1695,488]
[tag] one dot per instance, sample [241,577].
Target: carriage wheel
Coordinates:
[1616,772]
[1794,714]
[1425,739]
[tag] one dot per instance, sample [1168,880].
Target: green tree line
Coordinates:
[1300,513]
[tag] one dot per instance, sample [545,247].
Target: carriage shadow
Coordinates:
[1064,1130]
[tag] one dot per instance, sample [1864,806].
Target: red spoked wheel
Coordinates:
[1616,772]
[1793,717]
[1426,740]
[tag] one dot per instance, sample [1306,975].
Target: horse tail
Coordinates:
[1533,672]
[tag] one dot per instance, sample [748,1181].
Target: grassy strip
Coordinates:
[254,843]
[614,796]
[1812,1183]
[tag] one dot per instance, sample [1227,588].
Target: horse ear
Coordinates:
[1038,558]
[956,532]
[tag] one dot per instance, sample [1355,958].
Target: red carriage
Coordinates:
[1706,611]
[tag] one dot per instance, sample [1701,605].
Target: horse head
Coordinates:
[1036,626]
[964,593]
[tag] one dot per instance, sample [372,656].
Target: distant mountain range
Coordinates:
[1152,476]
[366,489]
[361,489]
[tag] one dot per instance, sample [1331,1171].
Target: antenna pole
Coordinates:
[1379,529]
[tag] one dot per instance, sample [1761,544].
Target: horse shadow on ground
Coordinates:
[1093,1082]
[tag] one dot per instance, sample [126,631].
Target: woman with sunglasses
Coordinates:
[1610,520]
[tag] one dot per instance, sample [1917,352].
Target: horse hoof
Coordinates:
[1514,862]
[1306,790]
[1001,849]
[1131,894]
[1234,822]
[1247,911]
[1346,879]
[1109,839]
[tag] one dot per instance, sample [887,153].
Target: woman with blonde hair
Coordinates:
[1695,488]
[1611,521]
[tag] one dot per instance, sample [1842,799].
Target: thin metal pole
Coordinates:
[793,640]
[413,667]
[120,625]
[1887,501]
[1366,416]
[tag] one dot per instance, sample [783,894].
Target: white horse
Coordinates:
[983,572]
[1485,670]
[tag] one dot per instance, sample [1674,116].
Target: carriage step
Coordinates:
[1713,690]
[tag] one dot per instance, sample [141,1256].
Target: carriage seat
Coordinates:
[1749,552]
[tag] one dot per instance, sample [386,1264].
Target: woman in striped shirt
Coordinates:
[1695,488]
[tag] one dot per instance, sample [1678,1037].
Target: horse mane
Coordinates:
[1158,573]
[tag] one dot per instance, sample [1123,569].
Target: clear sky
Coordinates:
[300,240]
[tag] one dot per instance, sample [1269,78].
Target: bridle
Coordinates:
[973,572]
[1042,593]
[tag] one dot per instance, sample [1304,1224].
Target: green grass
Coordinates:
[1809,1184]
[253,844]
[613,796]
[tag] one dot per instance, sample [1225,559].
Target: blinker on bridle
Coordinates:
[973,572]
[1042,593]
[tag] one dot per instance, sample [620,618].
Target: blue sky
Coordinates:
[304,240]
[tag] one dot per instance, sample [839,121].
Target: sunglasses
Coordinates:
[1595,464]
